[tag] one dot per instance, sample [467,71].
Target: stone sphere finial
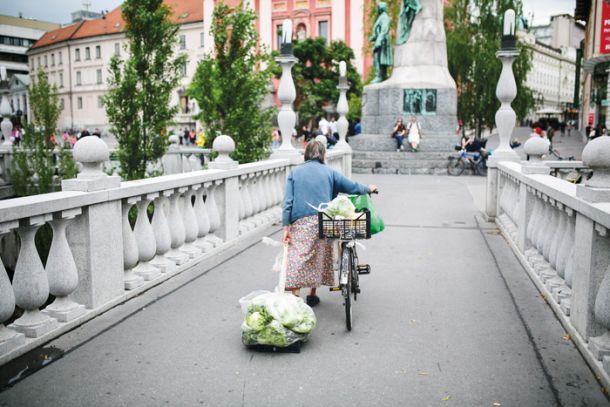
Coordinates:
[223,145]
[91,152]
[596,155]
[535,147]
[173,139]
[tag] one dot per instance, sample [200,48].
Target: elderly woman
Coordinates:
[309,185]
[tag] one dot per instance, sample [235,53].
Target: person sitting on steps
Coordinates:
[399,133]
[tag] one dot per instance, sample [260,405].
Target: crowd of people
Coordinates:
[323,126]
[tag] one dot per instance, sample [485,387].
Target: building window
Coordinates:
[87,53]
[323,29]
[32,63]
[201,39]
[61,104]
[45,61]
[183,42]
[60,58]
[39,64]
[52,59]
[183,70]
[98,52]
[79,102]
[78,78]
[278,36]
[100,102]
[77,54]
[61,79]
[117,48]
[99,76]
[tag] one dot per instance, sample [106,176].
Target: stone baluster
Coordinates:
[191,228]
[194,162]
[257,199]
[600,345]
[242,206]
[203,220]
[532,225]
[248,223]
[9,338]
[559,230]
[266,195]
[61,270]
[163,237]
[186,165]
[213,215]
[268,189]
[540,262]
[30,283]
[176,226]
[130,248]
[145,237]
[565,264]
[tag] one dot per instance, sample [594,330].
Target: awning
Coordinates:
[549,111]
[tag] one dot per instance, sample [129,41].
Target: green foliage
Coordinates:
[474,29]
[230,85]
[32,167]
[316,77]
[138,100]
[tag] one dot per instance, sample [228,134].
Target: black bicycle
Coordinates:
[347,231]
[466,160]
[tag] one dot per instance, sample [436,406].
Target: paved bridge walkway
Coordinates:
[447,318]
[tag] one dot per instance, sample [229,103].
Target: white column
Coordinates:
[145,238]
[9,338]
[162,234]
[176,227]
[203,220]
[130,248]
[30,282]
[61,270]
[342,108]
[191,228]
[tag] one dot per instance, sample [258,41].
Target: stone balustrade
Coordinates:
[112,240]
[177,159]
[559,232]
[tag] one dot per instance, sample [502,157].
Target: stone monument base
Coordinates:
[382,106]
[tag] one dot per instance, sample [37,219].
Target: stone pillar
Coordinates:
[286,118]
[9,338]
[95,237]
[227,202]
[506,91]
[172,163]
[342,109]
[535,147]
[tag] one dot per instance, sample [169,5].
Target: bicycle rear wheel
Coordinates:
[455,166]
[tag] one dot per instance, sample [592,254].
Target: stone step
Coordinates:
[379,142]
[400,156]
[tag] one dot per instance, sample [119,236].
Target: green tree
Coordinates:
[316,76]
[32,169]
[138,100]
[230,85]
[474,29]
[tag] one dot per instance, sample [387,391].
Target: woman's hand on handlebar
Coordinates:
[373,189]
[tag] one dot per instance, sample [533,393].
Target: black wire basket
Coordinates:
[345,229]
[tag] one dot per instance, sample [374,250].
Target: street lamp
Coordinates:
[287,93]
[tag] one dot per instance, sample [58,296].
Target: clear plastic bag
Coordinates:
[276,319]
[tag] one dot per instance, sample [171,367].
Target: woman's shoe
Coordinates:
[312,300]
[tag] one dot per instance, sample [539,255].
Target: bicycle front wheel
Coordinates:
[455,166]
[346,267]
[482,168]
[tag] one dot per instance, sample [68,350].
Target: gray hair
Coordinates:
[315,151]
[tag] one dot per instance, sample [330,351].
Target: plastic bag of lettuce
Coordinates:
[275,319]
[341,208]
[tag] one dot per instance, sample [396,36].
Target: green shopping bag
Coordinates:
[365,201]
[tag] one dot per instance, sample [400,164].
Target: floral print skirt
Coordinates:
[309,258]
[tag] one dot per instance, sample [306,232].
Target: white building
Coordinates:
[553,74]
[77,57]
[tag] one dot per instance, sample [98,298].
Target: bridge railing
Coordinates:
[112,240]
[559,232]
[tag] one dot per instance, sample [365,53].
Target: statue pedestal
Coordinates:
[420,81]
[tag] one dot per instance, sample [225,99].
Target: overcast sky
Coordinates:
[59,10]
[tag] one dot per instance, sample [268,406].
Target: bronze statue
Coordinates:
[410,9]
[382,49]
